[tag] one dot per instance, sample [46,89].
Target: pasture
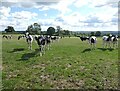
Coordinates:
[68,64]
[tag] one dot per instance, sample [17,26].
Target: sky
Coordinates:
[72,15]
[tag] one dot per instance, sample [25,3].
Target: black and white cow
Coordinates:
[84,38]
[107,41]
[29,40]
[92,41]
[58,38]
[53,38]
[7,36]
[48,41]
[21,36]
[114,41]
[41,43]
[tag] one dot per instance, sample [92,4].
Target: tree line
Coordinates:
[36,29]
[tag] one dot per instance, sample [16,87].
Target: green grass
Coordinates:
[68,64]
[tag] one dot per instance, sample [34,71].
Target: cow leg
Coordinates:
[116,44]
[40,50]
[106,45]
[103,44]
[91,46]
[43,49]
[94,45]
[48,46]
[30,46]
[110,45]
[113,45]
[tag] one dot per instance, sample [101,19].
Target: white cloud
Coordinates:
[5,11]
[42,8]
[19,20]
[80,3]
[102,3]
[102,17]
[45,14]
[24,15]
[32,0]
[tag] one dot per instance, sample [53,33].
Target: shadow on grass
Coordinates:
[27,56]
[86,50]
[104,49]
[17,50]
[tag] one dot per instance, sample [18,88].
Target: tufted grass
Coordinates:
[68,64]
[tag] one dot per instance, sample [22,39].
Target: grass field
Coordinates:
[68,64]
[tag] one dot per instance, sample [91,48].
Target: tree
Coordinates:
[92,33]
[98,33]
[34,29]
[10,29]
[66,32]
[51,31]
[29,29]
[58,30]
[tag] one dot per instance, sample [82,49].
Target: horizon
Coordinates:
[74,15]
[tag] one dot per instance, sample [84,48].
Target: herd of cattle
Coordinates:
[108,41]
[42,41]
[45,41]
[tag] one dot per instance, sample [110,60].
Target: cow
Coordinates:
[92,41]
[84,38]
[7,36]
[53,38]
[21,36]
[107,41]
[48,41]
[29,40]
[114,41]
[41,43]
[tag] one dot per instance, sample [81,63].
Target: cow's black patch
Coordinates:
[84,38]
[92,40]
[114,39]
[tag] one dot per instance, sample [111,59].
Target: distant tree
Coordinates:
[34,29]
[92,33]
[30,29]
[107,34]
[75,34]
[98,33]
[43,32]
[51,31]
[66,32]
[10,29]
[58,30]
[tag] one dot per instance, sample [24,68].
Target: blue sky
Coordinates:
[73,15]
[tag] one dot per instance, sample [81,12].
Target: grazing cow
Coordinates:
[7,36]
[19,37]
[84,38]
[92,41]
[4,36]
[107,41]
[114,41]
[41,42]
[48,40]
[58,38]
[53,38]
[29,40]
